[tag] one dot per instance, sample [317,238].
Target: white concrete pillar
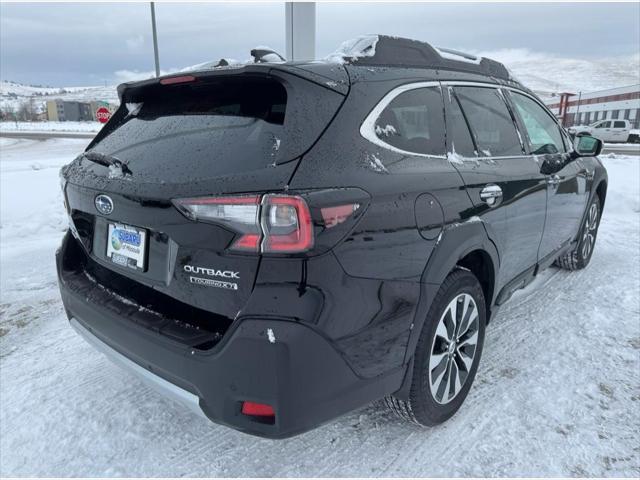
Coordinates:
[300,18]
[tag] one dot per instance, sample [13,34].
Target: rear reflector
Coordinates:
[180,79]
[253,409]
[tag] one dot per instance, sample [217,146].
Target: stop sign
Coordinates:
[103,114]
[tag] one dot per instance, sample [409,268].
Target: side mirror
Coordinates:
[587,146]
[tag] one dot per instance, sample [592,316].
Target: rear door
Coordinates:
[504,183]
[619,132]
[567,188]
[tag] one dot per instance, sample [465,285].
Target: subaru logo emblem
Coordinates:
[104,204]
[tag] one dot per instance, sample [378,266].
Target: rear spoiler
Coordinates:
[326,75]
[331,76]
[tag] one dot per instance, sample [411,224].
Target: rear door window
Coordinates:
[490,121]
[414,122]
[542,130]
[619,125]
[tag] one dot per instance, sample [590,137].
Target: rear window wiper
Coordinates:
[107,161]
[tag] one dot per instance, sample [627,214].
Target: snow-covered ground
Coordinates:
[50,127]
[557,392]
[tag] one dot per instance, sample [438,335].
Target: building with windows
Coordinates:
[64,111]
[621,103]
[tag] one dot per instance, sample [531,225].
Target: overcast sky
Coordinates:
[90,44]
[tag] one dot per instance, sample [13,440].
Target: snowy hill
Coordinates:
[547,73]
[13,94]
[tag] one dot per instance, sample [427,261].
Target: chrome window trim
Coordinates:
[368,127]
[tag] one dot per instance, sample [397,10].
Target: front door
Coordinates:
[567,187]
[603,131]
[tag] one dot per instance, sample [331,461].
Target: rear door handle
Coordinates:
[491,194]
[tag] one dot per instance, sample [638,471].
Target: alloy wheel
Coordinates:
[589,232]
[454,348]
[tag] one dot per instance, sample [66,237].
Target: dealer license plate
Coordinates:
[126,245]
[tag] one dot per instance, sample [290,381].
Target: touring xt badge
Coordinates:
[212,272]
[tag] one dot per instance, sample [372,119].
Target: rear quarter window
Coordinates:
[413,122]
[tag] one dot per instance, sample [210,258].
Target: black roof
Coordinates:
[403,52]
[367,50]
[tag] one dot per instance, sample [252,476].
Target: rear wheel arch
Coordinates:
[457,242]
[466,246]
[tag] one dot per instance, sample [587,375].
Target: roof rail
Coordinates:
[389,51]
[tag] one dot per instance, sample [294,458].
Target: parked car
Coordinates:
[606,130]
[278,244]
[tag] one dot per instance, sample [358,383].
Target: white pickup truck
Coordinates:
[610,130]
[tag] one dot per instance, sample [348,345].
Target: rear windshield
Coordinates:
[217,126]
[248,113]
[226,101]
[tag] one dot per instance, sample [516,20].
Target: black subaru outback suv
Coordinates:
[277,244]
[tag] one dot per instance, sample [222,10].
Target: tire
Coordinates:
[428,402]
[580,256]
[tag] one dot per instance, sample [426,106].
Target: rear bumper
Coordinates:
[279,362]
[156,382]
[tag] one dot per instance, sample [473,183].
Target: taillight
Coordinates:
[286,223]
[241,213]
[269,224]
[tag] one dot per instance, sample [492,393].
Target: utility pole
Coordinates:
[155,38]
[578,106]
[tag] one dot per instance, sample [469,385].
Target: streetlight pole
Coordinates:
[155,38]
